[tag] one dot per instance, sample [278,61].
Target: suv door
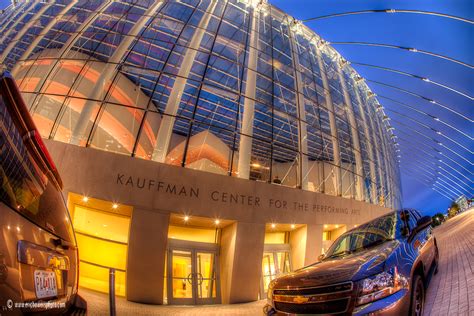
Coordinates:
[423,242]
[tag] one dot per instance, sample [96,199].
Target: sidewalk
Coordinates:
[451,291]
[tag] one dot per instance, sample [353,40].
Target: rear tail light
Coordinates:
[38,141]
[25,123]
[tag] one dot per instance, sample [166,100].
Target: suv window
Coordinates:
[23,185]
[365,236]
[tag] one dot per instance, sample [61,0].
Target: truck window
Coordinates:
[23,185]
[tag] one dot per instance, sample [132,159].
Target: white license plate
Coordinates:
[45,284]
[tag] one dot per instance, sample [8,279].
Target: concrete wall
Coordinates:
[146,256]
[155,190]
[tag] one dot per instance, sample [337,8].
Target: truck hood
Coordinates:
[352,267]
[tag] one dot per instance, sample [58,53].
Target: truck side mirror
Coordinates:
[423,222]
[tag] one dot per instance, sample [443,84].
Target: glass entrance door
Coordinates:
[192,276]
[274,263]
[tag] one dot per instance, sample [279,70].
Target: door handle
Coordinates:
[189,278]
[200,278]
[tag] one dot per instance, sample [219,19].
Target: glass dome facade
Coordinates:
[237,88]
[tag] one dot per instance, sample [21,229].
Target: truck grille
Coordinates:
[328,299]
[329,289]
[330,307]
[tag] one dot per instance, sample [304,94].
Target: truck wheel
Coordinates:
[417,296]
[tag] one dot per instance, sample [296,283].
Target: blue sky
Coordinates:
[436,34]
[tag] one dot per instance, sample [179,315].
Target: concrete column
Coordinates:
[38,38]
[109,72]
[23,30]
[306,244]
[241,262]
[385,152]
[66,48]
[377,151]
[17,20]
[332,122]
[314,243]
[13,10]
[298,247]
[245,143]
[146,256]
[381,155]
[373,186]
[165,131]
[355,135]
[302,174]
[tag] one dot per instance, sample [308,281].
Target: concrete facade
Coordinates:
[156,190]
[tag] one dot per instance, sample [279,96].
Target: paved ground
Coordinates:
[451,291]
[97,304]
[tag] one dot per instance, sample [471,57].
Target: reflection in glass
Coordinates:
[182,274]
[210,85]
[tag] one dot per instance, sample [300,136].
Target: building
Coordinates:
[205,146]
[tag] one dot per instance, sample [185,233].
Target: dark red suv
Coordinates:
[38,254]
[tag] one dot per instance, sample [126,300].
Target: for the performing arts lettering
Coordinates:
[160,186]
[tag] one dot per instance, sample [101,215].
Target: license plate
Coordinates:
[45,284]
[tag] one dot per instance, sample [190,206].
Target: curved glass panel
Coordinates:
[236,88]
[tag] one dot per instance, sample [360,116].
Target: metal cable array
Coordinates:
[423,98]
[390,11]
[410,49]
[428,156]
[415,76]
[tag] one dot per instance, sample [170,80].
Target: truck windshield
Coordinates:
[368,235]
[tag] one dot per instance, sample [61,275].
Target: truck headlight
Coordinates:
[270,292]
[380,285]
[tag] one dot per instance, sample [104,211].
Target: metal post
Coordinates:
[112,291]
[165,131]
[39,37]
[359,169]
[332,123]
[370,150]
[302,171]
[109,71]
[245,144]
[33,20]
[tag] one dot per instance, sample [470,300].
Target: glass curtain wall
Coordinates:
[236,88]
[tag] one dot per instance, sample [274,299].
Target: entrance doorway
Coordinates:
[276,261]
[192,273]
